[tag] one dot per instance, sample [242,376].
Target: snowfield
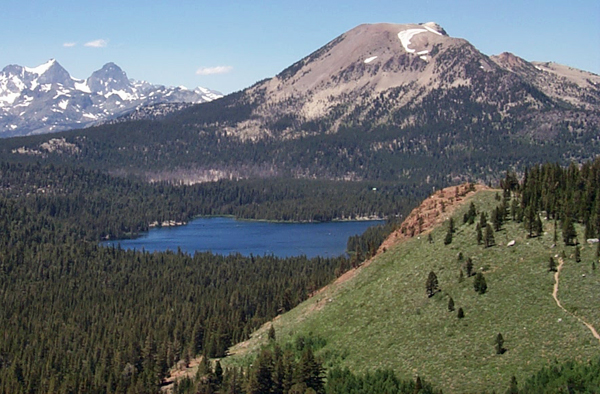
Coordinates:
[406,35]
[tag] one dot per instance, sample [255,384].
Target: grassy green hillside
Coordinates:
[381,316]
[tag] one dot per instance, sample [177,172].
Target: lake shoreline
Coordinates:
[173,223]
[226,235]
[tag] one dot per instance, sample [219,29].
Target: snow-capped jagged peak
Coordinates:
[53,72]
[108,79]
[46,98]
[41,69]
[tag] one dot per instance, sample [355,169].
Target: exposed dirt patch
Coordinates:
[180,372]
[434,210]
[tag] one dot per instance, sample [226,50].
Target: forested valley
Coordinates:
[78,317]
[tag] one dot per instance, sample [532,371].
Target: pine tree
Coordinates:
[432,285]
[530,216]
[271,334]
[513,209]
[538,226]
[551,265]
[469,267]
[203,368]
[418,385]
[497,218]
[513,389]
[279,371]
[448,238]
[218,373]
[479,234]
[479,283]
[499,344]
[472,213]
[451,305]
[482,220]
[460,313]
[289,365]
[568,231]
[577,254]
[310,372]
[260,377]
[489,236]
[233,383]
[589,230]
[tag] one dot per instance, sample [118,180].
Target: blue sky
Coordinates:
[229,45]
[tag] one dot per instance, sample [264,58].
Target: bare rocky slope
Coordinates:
[383,74]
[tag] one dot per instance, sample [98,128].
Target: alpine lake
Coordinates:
[226,235]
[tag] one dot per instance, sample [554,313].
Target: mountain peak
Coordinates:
[372,71]
[41,69]
[109,78]
[47,99]
[110,66]
[513,63]
[53,72]
[374,57]
[434,26]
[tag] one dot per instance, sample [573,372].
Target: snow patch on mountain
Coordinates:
[370,59]
[82,86]
[41,69]
[432,30]
[406,35]
[8,98]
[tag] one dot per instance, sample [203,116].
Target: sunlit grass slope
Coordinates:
[382,318]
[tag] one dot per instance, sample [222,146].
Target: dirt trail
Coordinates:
[555,295]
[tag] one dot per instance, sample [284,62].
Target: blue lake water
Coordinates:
[224,235]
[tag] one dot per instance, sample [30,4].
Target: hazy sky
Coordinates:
[229,45]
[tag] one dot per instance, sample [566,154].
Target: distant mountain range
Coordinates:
[47,99]
[381,101]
